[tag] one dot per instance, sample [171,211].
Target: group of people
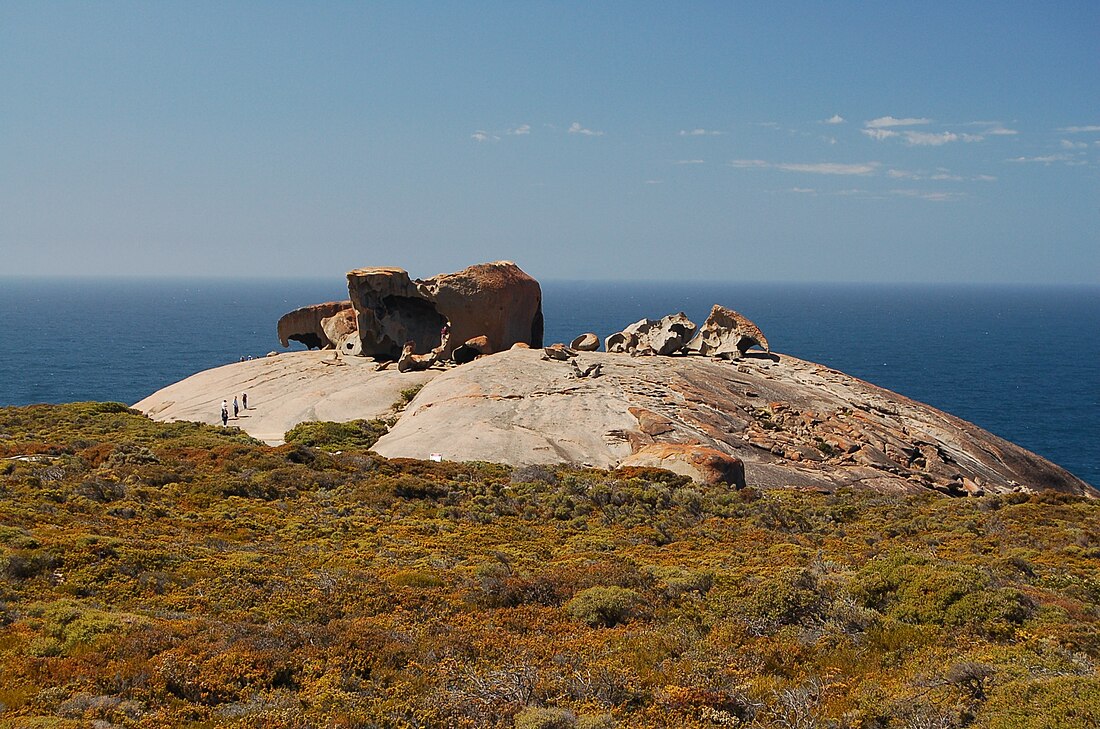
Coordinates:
[236,408]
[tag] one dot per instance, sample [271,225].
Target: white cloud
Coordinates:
[941,174]
[929,139]
[816,168]
[520,130]
[879,134]
[992,128]
[699,133]
[834,119]
[1078,130]
[689,162]
[889,121]
[803,190]
[1044,159]
[933,195]
[1067,144]
[831,168]
[920,139]
[653,182]
[483,136]
[576,128]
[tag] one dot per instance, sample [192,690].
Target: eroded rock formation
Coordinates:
[305,325]
[340,328]
[410,361]
[726,334]
[664,336]
[497,301]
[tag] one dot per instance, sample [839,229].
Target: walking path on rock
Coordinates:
[285,390]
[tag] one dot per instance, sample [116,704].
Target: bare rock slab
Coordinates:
[791,423]
[283,391]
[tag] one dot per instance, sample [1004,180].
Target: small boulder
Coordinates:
[520,345]
[481,344]
[587,342]
[701,463]
[409,361]
[464,354]
[559,352]
[591,369]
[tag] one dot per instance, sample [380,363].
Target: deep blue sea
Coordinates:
[1022,362]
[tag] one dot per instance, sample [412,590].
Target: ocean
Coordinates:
[1022,362]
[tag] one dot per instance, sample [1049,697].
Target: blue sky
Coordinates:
[954,142]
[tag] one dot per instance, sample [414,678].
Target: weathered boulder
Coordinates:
[589,369]
[495,300]
[481,344]
[621,343]
[410,361]
[664,336]
[305,325]
[587,342]
[558,351]
[700,463]
[726,334]
[340,329]
[464,354]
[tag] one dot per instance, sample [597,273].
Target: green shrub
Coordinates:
[916,589]
[416,578]
[993,613]
[537,717]
[1045,703]
[603,606]
[337,436]
[68,624]
[24,564]
[788,596]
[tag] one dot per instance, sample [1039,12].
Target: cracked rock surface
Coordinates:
[792,423]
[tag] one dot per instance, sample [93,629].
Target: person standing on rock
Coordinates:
[445,335]
[225,415]
[236,408]
[244,400]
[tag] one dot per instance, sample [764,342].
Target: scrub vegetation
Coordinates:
[185,575]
